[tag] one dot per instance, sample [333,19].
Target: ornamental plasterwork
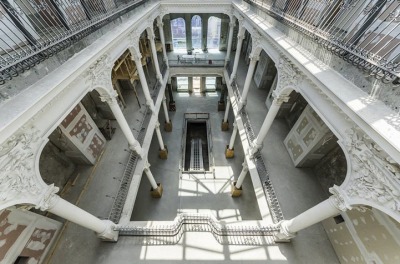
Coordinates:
[374,176]
[288,76]
[18,180]
[99,74]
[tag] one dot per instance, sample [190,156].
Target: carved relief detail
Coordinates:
[17,167]
[375,177]
[99,74]
[288,76]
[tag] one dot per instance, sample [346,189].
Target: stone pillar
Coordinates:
[328,208]
[60,207]
[236,188]
[238,48]
[250,72]
[168,123]
[137,58]
[229,152]
[150,36]
[230,38]
[190,84]
[163,152]
[171,104]
[222,87]
[272,112]
[156,188]
[204,31]
[160,26]
[225,123]
[119,116]
[202,84]
[188,27]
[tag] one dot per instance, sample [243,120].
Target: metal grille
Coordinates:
[365,33]
[34,30]
[238,234]
[196,155]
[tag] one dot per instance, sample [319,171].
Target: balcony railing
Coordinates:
[34,30]
[365,33]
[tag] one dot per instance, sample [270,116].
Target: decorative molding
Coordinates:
[110,99]
[18,180]
[48,199]
[374,177]
[339,199]
[288,76]
[99,74]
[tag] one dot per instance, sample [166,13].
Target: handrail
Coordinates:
[365,33]
[34,30]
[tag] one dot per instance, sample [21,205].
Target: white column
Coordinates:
[316,214]
[228,104]
[150,176]
[237,55]
[272,112]
[142,77]
[230,38]
[60,207]
[233,137]
[159,137]
[150,36]
[164,103]
[119,116]
[242,175]
[250,72]
[160,25]
[202,84]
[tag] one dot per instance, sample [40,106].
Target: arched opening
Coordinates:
[178,32]
[214,33]
[196,32]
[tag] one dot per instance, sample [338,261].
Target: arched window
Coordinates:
[178,33]
[214,32]
[196,32]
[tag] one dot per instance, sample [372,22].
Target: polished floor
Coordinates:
[297,190]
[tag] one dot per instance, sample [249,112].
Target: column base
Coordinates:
[283,235]
[168,126]
[109,234]
[172,106]
[157,193]
[221,106]
[229,153]
[235,192]
[225,126]
[163,153]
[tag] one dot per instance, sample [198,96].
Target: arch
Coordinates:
[197,28]
[213,32]
[178,30]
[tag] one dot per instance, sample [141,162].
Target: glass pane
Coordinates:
[214,32]
[196,32]
[178,33]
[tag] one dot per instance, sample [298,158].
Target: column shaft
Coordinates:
[237,55]
[161,30]
[150,176]
[233,137]
[230,38]
[312,216]
[249,76]
[159,137]
[143,82]
[150,34]
[164,103]
[228,104]
[242,175]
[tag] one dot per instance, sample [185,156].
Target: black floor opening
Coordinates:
[196,154]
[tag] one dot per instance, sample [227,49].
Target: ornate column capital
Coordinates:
[160,24]
[48,199]
[110,99]
[254,57]
[279,98]
[146,166]
[339,198]
[373,178]
[232,24]
[245,166]
[99,73]
[288,76]
[20,182]
[157,125]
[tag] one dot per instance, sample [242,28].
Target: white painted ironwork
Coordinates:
[196,155]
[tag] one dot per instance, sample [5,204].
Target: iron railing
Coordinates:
[365,33]
[34,30]
[196,63]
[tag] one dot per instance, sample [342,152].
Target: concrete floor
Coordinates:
[297,190]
